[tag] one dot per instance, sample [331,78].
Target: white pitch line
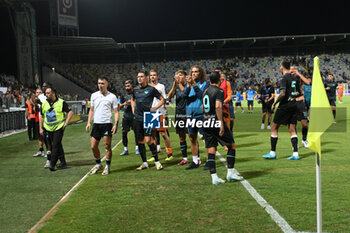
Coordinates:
[36,227]
[117,145]
[279,220]
[11,132]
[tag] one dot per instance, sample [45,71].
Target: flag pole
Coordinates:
[318,193]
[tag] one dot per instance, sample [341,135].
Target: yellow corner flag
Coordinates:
[321,116]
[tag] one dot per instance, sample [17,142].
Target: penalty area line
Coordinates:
[40,223]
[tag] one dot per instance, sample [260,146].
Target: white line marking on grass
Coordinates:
[11,132]
[36,227]
[117,145]
[279,220]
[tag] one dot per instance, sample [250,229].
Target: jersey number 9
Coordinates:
[206,104]
[294,88]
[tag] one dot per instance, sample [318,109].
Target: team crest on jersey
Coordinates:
[146,92]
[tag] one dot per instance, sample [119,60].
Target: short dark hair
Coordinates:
[52,90]
[267,81]
[129,82]
[103,78]
[286,64]
[214,77]
[143,72]
[47,84]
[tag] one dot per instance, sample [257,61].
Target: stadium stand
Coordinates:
[243,71]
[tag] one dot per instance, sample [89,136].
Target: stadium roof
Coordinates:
[107,50]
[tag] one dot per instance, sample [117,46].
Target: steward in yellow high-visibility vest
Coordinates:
[88,106]
[54,121]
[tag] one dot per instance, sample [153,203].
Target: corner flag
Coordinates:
[320,113]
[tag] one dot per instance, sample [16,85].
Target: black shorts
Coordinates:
[307,104]
[211,137]
[140,132]
[178,129]
[332,101]
[286,114]
[266,107]
[302,112]
[127,124]
[101,130]
[238,104]
[250,103]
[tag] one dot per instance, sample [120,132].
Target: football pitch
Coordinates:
[175,199]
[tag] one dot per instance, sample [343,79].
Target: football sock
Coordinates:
[142,150]
[211,163]
[304,130]
[125,139]
[274,139]
[214,176]
[136,141]
[199,156]
[108,162]
[231,158]
[169,152]
[263,121]
[195,159]
[294,140]
[41,149]
[48,155]
[158,138]
[153,150]
[334,114]
[183,146]
[98,161]
[229,171]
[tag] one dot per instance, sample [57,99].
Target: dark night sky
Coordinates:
[157,20]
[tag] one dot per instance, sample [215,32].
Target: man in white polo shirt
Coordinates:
[103,105]
[153,74]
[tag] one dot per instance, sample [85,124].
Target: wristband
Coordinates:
[116,124]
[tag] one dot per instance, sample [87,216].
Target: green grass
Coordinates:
[177,200]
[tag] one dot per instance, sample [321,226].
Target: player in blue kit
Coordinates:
[239,99]
[251,94]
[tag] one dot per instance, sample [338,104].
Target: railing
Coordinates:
[12,120]
[77,107]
